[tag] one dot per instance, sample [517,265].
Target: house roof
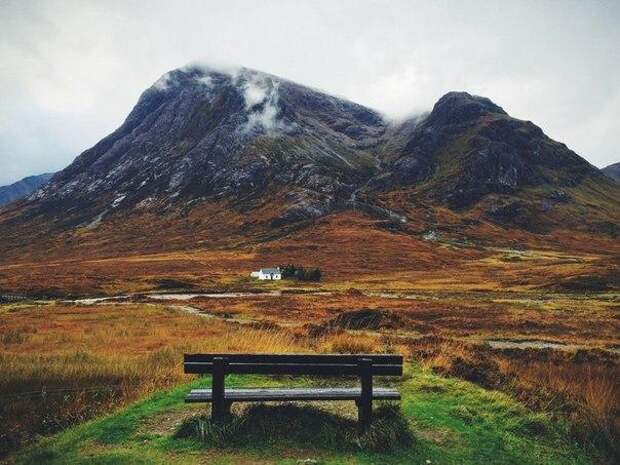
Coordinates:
[269,270]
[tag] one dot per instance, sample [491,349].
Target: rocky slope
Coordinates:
[22,188]
[269,155]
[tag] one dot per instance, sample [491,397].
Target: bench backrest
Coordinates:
[295,364]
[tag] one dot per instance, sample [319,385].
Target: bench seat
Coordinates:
[298,394]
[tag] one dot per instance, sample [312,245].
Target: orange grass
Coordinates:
[63,364]
[591,388]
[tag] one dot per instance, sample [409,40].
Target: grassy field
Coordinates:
[65,363]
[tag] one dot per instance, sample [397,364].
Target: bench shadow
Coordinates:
[302,426]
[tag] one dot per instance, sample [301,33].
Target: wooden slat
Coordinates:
[294,369]
[283,395]
[381,359]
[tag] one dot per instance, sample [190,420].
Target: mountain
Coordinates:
[201,134]
[469,147]
[612,171]
[471,156]
[22,188]
[221,158]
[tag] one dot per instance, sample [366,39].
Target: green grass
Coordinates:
[452,422]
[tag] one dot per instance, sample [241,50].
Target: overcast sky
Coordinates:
[70,71]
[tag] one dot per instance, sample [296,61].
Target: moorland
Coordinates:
[536,324]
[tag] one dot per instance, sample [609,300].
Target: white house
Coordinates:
[267,273]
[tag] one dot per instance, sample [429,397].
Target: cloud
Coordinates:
[260,93]
[267,117]
[254,93]
[206,81]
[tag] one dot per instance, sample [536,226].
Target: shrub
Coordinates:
[13,337]
[300,273]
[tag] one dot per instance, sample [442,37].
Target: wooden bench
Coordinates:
[364,366]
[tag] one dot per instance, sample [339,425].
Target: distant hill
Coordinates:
[612,171]
[22,188]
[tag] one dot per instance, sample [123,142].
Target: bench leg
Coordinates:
[364,416]
[364,405]
[220,409]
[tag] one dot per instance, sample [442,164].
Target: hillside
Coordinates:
[22,188]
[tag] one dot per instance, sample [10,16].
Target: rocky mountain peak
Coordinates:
[266,103]
[461,107]
[201,133]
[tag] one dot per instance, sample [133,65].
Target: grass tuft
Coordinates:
[301,426]
[13,337]
[348,343]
